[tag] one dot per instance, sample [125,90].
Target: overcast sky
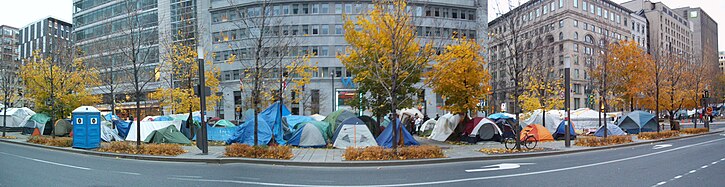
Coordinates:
[18,13]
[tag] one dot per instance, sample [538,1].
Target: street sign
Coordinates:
[709,110]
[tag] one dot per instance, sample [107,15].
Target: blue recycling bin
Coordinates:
[86,127]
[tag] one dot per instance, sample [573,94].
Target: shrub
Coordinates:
[694,130]
[493,151]
[146,149]
[657,135]
[268,152]
[404,153]
[49,141]
[597,141]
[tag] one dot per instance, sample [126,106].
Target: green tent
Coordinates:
[167,135]
[324,127]
[40,121]
[336,118]
[224,123]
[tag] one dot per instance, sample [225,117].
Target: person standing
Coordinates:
[418,122]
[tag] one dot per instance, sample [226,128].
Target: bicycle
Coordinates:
[529,142]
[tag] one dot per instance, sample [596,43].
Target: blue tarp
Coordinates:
[111,117]
[385,139]
[122,128]
[294,120]
[560,132]
[221,133]
[612,130]
[165,118]
[245,133]
[497,116]
[274,120]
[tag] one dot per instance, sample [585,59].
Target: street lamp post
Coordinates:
[334,93]
[201,141]
[567,82]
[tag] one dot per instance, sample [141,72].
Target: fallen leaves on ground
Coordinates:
[494,151]
[593,141]
[403,153]
[694,130]
[657,135]
[267,152]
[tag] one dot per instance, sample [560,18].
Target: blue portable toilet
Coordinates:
[86,127]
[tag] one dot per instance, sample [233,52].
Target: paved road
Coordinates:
[689,162]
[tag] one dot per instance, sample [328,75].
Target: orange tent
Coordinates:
[537,131]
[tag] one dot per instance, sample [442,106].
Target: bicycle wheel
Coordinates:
[530,142]
[510,143]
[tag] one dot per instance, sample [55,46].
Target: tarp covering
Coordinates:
[317,117]
[497,116]
[410,112]
[63,127]
[353,133]
[308,135]
[336,118]
[485,129]
[612,130]
[149,126]
[111,117]
[638,121]
[245,133]
[218,133]
[122,127]
[108,134]
[445,125]
[560,132]
[292,121]
[163,118]
[585,118]
[537,131]
[168,134]
[15,117]
[273,118]
[224,123]
[386,137]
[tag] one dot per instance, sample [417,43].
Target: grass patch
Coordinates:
[598,141]
[657,135]
[50,141]
[694,130]
[267,152]
[403,153]
[8,137]
[494,151]
[146,149]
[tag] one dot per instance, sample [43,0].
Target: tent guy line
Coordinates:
[464,179]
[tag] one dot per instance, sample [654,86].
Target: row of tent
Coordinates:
[341,128]
[498,126]
[632,123]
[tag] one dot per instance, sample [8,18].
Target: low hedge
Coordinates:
[52,141]
[694,130]
[598,141]
[267,152]
[403,153]
[145,149]
[657,135]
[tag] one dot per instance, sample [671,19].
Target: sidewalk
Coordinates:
[313,156]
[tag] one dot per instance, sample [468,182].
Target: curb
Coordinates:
[342,163]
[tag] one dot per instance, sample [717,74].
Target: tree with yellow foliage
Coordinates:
[183,69]
[58,85]
[627,64]
[384,53]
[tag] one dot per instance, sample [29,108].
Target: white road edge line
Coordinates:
[466,179]
[128,173]
[47,162]
[187,176]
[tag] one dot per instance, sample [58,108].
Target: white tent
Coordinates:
[485,129]
[445,125]
[410,112]
[16,117]
[318,117]
[585,118]
[149,126]
[553,118]
[428,125]
[108,134]
[353,135]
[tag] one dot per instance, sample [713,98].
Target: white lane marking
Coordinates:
[661,146]
[661,183]
[502,166]
[127,173]
[187,176]
[460,180]
[703,167]
[248,178]
[679,176]
[693,171]
[714,162]
[47,162]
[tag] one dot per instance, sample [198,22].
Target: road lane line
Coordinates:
[47,162]
[187,176]
[679,176]
[703,167]
[461,180]
[693,171]
[127,173]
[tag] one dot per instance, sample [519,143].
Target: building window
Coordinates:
[576,23]
[591,8]
[561,36]
[599,11]
[324,51]
[561,23]
[576,36]
[546,9]
[576,103]
[576,3]
[584,6]
[325,29]
[553,6]
[338,8]
[561,3]
[325,8]
[338,29]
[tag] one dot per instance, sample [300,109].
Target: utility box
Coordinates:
[86,127]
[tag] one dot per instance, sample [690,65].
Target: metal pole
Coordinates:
[334,93]
[201,140]
[567,82]
[706,115]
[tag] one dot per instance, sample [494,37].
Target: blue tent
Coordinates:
[122,128]
[292,121]
[221,133]
[612,130]
[560,132]
[245,133]
[638,121]
[274,120]
[308,134]
[385,139]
